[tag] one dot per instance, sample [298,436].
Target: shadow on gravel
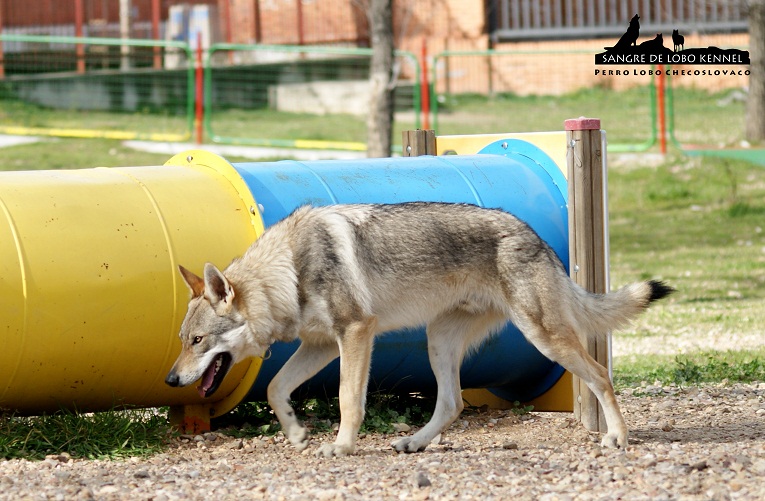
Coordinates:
[722,434]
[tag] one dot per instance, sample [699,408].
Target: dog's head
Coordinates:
[214,335]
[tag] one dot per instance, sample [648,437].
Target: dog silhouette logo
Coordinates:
[629,50]
[678,40]
[631,36]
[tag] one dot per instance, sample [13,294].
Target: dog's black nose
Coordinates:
[172,379]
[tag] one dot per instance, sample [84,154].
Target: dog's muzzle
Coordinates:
[172,379]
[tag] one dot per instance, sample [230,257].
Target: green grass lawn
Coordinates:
[15,113]
[509,113]
[698,223]
[55,153]
[625,115]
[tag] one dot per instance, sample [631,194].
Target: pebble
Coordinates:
[666,425]
[401,427]
[141,474]
[422,480]
[714,449]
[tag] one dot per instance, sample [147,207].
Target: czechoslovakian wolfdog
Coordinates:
[338,276]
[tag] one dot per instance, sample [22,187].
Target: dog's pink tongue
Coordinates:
[207,380]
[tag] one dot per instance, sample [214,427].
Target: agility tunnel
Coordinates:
[92,301]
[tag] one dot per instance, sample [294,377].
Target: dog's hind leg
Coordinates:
[355,357]
[562,345]
[449,336]
[308,360]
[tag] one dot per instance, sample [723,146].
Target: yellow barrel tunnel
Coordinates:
[90,294]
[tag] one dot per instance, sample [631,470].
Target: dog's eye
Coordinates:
[197,340]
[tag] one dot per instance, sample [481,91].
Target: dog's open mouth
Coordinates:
[214,375]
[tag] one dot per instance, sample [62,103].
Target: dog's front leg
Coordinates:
[355,357]
[308,360]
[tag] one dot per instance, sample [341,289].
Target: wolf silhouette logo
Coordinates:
[630,37]
[678,40]
[652,51]
[655,44]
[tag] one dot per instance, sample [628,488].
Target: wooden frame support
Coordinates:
[418,142]
[588,242]
[192,419]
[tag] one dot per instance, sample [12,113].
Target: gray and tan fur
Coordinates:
[337,276]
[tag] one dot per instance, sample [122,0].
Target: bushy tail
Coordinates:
[600,313]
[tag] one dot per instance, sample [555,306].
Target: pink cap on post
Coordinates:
[582,123]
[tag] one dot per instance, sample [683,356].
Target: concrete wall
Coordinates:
[321,98]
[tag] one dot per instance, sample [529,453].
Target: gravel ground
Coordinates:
[692,443]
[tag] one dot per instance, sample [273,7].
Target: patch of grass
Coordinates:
[382,411]
[695,110]
[689,222]
[249,419]
[473,114]
[230,123]
[626,116]
[743,209]
[684,370]
[54,153]
[22,114]
[67,153]
[113,434]
[520,409]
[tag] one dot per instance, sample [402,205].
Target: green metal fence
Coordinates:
[96,87]
[290,96]
[699,119]
[298,96]
[518,91]
[315,97]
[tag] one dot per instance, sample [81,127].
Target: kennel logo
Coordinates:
[628,51]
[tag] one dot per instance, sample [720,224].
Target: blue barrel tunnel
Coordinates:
[512,175]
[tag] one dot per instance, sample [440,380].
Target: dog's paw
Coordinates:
[300,446]
[614,441]
[333,450]
[298,437]
[408,444]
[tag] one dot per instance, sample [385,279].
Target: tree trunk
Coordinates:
[755,109]
[125,7]
[380,117]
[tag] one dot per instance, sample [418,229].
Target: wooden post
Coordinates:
[418,142]
[199,94]
[424,86]
[156,18]
[661,104]
[587,220]
[193,419]
[79,50]
[2,62]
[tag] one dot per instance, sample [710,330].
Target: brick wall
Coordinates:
[547,68]
[296,22]
[559,67]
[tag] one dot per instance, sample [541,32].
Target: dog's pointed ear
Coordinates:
[218,290]
[195,283]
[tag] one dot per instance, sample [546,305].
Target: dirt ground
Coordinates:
[692,443]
